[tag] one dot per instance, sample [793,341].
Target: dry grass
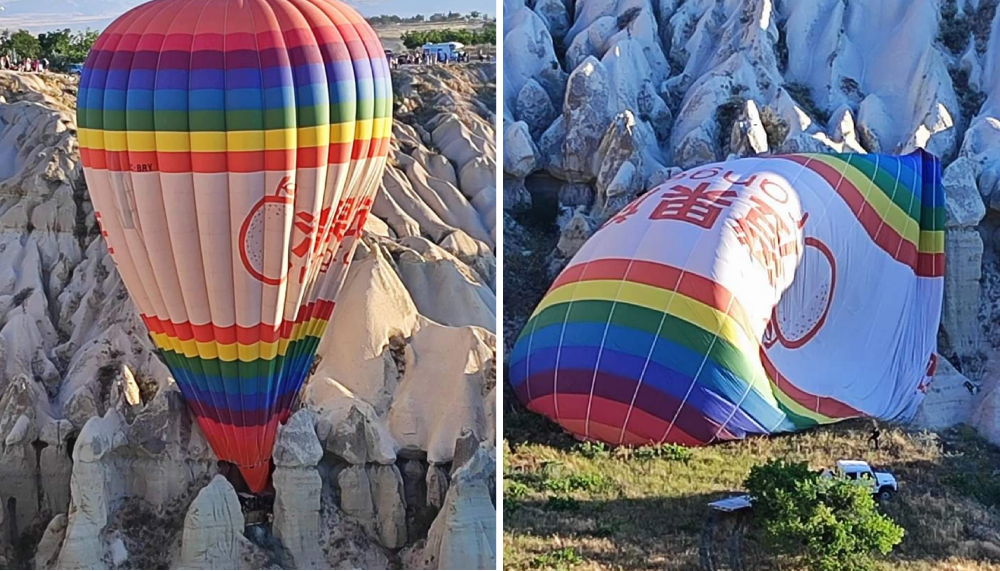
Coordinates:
[568,505]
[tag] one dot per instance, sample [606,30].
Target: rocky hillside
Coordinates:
[605,99]
[390,459]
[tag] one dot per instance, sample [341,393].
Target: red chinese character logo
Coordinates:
[699,206]
[767,236]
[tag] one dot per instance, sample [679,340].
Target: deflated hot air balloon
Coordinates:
[755,296]
[232,149]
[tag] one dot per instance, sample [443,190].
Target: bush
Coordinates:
[417,38]
[830,522]
[592,450]
[560,558]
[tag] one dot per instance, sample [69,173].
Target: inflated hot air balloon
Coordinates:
[232,149]
[754,296]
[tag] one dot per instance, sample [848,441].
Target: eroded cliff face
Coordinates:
[603,100]
[101,464]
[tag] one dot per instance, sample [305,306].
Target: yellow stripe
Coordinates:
[238,351]
[221,141]
[886,209]
[931,241]
[799,410]
[657,299]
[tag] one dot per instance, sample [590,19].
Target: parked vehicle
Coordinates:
[882,484]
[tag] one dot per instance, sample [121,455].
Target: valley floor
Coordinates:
[583,506]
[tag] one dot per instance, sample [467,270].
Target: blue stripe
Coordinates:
[671,366]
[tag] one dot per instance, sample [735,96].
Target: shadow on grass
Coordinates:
[521,426]
[618,533]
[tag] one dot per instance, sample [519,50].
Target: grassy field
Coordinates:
[569,505]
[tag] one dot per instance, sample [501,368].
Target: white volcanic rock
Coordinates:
[948,401]
[348,425]
[445,200]
[374,497]
[519,151]
[586,115]
[748,136]
[57,466]
[835,51]
[443,288]
[95,488]
[23,408]
[634,86]
[51,543]
[418,418]
[964,252]
[297,490]
[374,296]
[528,53]
[534,107]
[213,529]
[463,536]
[555,15]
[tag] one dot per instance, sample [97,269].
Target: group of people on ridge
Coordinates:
[11,63]
[430,58]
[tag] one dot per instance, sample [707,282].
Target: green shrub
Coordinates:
[830,522]
[592,450]
[594,483]
[558,559]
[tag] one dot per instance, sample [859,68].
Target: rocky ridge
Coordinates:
[101,465]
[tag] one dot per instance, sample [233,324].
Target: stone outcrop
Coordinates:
[463,536]
[297,490]
[213,529]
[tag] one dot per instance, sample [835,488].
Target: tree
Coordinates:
[831,522]
[24,44]
[53,44]
[416,38]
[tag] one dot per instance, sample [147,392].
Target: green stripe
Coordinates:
[909,201]
[674,329]
[799,421]
[234,372]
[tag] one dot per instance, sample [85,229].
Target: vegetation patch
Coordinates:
[416,38]
[656,515]
[557,559]
[969,99]
[803,96]
[830,524]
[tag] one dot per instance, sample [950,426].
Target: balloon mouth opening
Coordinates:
[247,479]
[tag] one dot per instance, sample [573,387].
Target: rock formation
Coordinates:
[98,448]
[213,529]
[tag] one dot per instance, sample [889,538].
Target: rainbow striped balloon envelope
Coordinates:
[754,296]
[232,149]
